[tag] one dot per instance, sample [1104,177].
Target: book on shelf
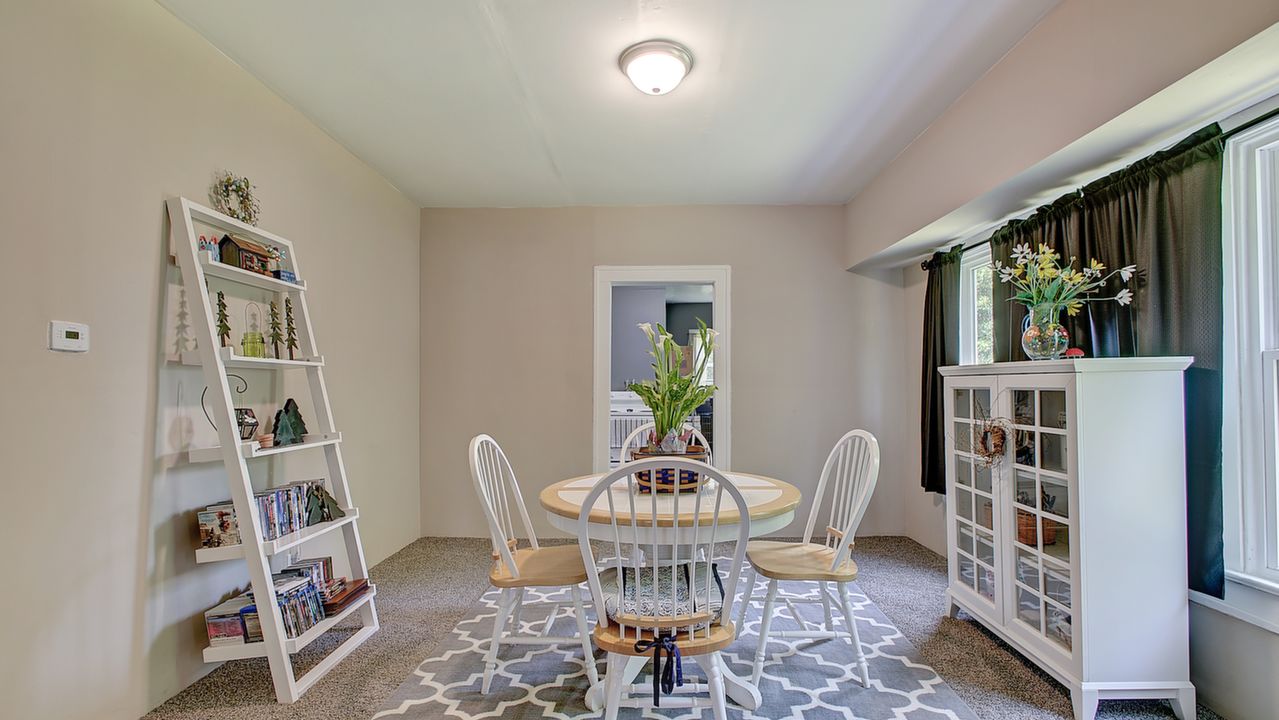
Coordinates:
[218,526]
[353,590]
[281,511]
[224,624]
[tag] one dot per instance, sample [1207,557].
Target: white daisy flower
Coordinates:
[1124,297]
[1126,272]
[1022,253]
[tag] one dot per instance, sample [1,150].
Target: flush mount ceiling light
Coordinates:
[656,67]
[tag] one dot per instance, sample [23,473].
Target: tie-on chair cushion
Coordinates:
[685,603]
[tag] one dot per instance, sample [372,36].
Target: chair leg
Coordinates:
[712,665]
[588,650]
[499,622]
[821,588]
[851,620]
[748,594]
[613,681]
[518,615]
[765,621]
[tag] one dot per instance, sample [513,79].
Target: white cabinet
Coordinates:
[1072,545]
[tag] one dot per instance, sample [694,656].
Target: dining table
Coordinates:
[771,506]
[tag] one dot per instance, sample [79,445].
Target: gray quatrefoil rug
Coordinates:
[808,679]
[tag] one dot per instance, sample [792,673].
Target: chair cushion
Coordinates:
[685,603]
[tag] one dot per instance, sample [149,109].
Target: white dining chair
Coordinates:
[849,475]
[638,439]
[515,569]
[672,601]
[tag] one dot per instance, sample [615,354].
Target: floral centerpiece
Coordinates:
[672,396]
[1046,287]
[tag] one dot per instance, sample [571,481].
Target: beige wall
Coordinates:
[109,108]
[1085,63]
[507,342]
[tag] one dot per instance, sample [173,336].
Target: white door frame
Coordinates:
[609,276]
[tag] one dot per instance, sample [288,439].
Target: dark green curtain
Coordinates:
[1162,214]
[941,348]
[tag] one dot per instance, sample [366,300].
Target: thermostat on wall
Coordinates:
[68,336]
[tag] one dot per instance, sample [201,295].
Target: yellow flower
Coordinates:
[1049,272]
[1096,265]
[1073,307]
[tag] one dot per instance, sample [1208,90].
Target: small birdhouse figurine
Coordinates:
[245,255]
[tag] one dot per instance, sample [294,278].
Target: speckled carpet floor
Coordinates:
[426,588]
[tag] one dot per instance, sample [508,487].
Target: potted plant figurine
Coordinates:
[672,396]
[1046,287]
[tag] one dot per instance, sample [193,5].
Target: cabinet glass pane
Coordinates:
[1027,532]
[1055,496]
[1056,540]
[983,477]
[1025,488]
[1057,626]
[964,536]
[981,403]
[1028,568]
[966,571]
[986,582]
[1028,607]
[1052,408]
[1024,407]
[963,437]
[963,504]
[1052,452]
[986,547]
[985,512]
[963,405]
[963,471]
[1024,447]
[1057,585]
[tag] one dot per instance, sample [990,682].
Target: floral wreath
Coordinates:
[234,196]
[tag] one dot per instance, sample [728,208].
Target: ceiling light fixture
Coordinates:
[656,67]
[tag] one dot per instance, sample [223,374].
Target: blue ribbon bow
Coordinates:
[665,676]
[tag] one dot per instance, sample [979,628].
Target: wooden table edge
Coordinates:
[789,499]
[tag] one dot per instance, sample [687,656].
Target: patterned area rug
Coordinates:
[808,679]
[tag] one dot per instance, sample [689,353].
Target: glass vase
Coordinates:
[1042,337]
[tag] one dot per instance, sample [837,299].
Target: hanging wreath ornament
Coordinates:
[233,196]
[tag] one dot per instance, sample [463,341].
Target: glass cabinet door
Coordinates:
[972,508]
[1041,471]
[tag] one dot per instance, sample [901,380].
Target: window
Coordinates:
[976,318]
[1250,245]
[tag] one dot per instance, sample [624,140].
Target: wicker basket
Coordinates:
[1027,533]
[689,480]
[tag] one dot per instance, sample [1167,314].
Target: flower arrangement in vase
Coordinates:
[1046,287]
[672,396]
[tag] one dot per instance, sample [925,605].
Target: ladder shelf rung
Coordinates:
[251,448]
[278,545]
[221,270]
[231,359]
[223,653]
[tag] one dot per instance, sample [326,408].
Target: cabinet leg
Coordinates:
[953,610]
[1183,706]
[1085,702]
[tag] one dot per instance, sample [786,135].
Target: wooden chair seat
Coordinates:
[720,636]
[541,567]
[798,561]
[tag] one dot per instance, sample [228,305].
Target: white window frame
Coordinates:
[969,263]
[1250,469]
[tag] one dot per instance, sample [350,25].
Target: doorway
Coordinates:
[675,296]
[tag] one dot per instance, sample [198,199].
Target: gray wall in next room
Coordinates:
[631,306]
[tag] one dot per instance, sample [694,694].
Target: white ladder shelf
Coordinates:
[197,266]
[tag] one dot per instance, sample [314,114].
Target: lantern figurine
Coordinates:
[253,344]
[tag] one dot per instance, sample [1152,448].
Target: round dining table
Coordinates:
[770,502]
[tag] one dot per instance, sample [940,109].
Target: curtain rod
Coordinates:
[1226,135]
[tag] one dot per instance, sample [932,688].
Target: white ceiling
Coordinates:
[500,103]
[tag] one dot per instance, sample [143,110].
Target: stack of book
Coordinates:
[350,591]
[236,621]
[320,572]
[282,511]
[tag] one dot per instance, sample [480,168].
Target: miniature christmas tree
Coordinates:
[291,340]
[224,327]
[288,428]
[276,337]
[321,506]
[181,329]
